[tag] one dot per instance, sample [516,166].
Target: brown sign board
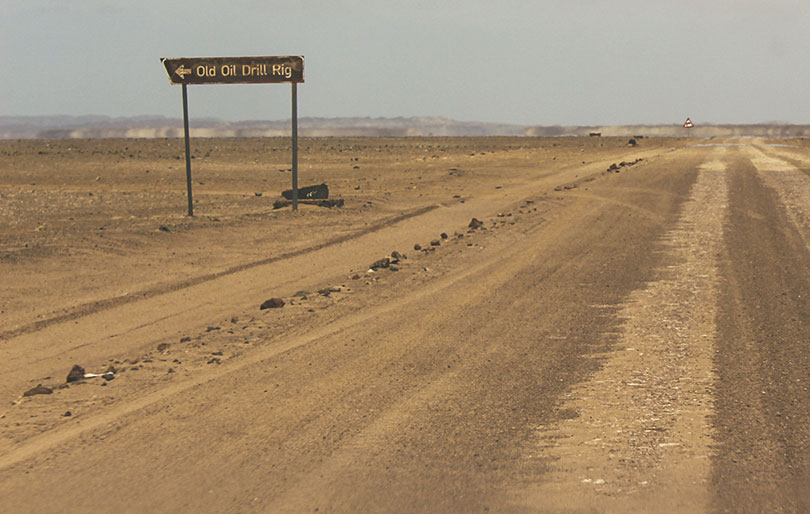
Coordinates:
[235,70]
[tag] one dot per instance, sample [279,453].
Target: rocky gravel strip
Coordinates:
[637,434]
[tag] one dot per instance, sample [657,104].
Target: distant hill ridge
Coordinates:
[80,127]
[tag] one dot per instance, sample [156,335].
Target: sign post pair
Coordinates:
[238,70]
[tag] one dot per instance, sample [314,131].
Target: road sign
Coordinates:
[238,70]
[688,123]
[235,70]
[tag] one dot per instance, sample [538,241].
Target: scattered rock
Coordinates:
[258,193]
[164,228]
[67,414]
[332,202]
[326,291]
[443,235]
[475,224]
[217,353]
[396,256]
[39,389]
[108,376]
[272,303]
[215,360]
[336,202]
[435,242]
[417,247]
[182,340]
[76,374]
[382,263]
[632,142]
[162,347]
[211,329]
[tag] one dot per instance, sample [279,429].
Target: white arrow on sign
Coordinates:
[182,71]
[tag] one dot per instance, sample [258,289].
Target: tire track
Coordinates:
[108,303]
[790,183]
[638,436]
[762,396]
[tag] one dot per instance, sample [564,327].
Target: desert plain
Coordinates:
[500,324]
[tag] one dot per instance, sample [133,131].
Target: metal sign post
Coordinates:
[188,152]
[238,70]
[294,146]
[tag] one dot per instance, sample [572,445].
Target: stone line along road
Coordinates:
[638,343]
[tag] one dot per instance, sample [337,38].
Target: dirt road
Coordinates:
[626,338]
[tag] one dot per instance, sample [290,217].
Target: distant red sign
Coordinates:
[688,123]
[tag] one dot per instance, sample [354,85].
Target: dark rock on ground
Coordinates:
[417,247]
[382,263]
[272,303]
[76,374]
[443,235]
[332,202]
[162,347]
[435,242]
[475,223]
[319,192]
[40,389]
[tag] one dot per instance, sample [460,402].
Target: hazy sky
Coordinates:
[538,62]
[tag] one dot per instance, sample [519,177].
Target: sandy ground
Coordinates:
[610,340]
